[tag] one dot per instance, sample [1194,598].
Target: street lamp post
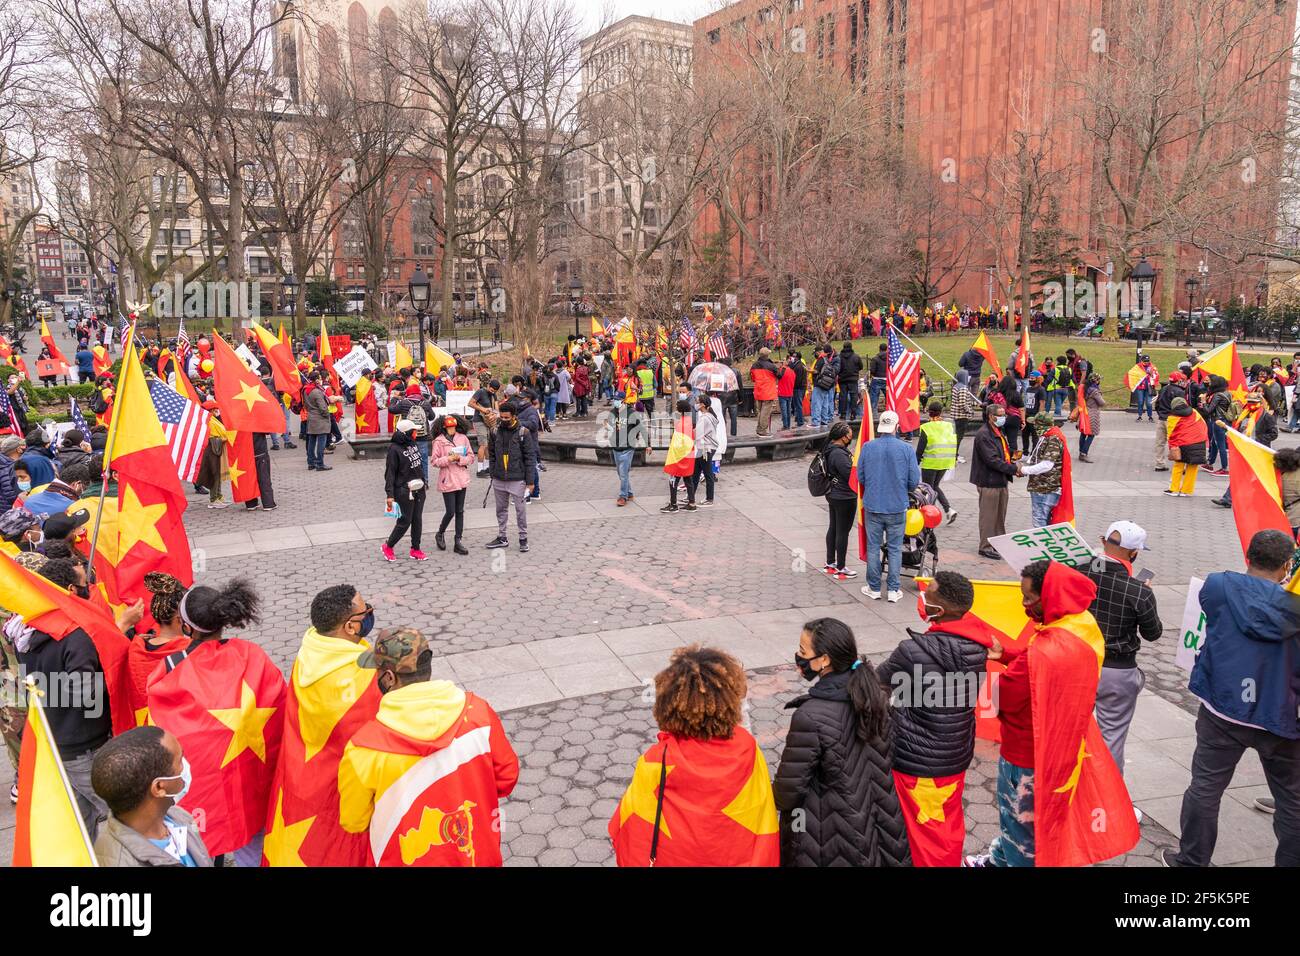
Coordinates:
[290,286]
[575,291]
[418,288]
[1144,277]
[1191,285]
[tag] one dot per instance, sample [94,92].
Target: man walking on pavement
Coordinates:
[887,472]
[512,460]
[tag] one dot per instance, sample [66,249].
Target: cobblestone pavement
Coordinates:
[564,640]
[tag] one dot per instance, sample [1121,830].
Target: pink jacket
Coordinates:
[451,475]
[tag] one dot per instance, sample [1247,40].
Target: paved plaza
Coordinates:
[564,641]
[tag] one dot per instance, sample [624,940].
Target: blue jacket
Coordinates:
[40,468]
[887,471]
[1249,666]
[86,361]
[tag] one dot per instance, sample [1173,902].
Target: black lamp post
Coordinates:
[419,287]
[289,285]
[1192,284]
[575,292]
[1144,277]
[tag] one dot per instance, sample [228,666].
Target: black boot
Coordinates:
[459,548]
[441,541]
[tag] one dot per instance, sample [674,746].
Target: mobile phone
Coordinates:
[1145,575]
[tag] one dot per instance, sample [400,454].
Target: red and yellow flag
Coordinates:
[436,359]
[866,432]
[1224,361]
[717,805]
[245,403]
[225,704]
[1064,510]
[985,348]
[366,412]
[1255,487]
[597,329]
[327,357]
[280,356]
[403,358]
[102,361]
[151,504]
[1085,420]
[1022,354]
[49,830]
[932,811]
[48,341]
[680,461]
[329,698]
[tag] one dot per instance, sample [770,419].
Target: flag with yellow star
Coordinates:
[366,412]
[718,808]
[246,404]
[932,810]
[1082,811]
[243,469]
[148,533]
[225,703]
[280,356]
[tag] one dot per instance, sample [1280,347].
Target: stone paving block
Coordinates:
[512,691]
[592,677]
[492,663]
[575,649]
[1244,834]
[638,640]
[1156,718]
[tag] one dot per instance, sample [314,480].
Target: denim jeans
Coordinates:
[877,389]
[1014,845]
[623,462]
[550,406]
[425,447]
[1218,447]
[796,404]
[1057,399]
[885,529]
[316,450]
[850,400]
[1085,443]
[785,410]
[1144,402]
[1040,507]
[822,407]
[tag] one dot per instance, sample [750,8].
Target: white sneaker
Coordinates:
[895,597]
[874,595]
[961,460]
[952,515]
[1137,813]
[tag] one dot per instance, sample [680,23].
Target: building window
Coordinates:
[715,35]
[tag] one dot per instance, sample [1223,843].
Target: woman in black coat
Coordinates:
[841,501]
[835,786]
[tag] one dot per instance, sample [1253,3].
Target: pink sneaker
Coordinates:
[418,555]
[387,552]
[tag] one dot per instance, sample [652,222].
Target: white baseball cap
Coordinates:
[405,425]
[888,423]
[1131,536]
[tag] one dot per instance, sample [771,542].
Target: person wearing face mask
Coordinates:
[1126,612]
[330,697]
[141,775]
[452,456]
[224,700]
[58,494]
[991,472]
[21,531]
[934,680]
[1252,626]
[834,787]
[433,754]
[83,664]
[11,449]
[404,486]
[1056,778]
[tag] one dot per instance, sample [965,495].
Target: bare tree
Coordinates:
[21,105]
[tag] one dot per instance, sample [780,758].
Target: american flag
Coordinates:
[7,410]
[184,423]
[902,383]
[78,419]
[718,346]
[896,350]
[688,340]
[182,344]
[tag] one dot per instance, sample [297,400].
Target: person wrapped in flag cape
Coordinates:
[149,647]
[1051,478]
[330,697]
[834,787]
[1061,799]
[1187,442]
[937,684]
[425,776]
[223,698]
[700,794]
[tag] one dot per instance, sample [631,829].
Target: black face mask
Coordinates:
[367,623]
[81,591]
[805,666]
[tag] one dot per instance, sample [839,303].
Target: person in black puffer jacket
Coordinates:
[404,485]
[935,741]
[841,500]
[834,788]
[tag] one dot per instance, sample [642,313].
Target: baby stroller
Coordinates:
[921,550]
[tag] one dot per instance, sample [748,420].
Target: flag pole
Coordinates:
[127,355]
[926,354]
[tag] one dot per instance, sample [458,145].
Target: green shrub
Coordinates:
[356,327]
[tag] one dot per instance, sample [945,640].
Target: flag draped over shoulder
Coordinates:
[366,412]
[225,704]
[48,341]
[1255,487]
[680,460]
[51,609]
[1064,509]
[329,698]
[717,805]
[1022,354]
[150,526]
[49,829]
[1082,811]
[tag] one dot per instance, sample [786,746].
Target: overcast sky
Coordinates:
[685,11]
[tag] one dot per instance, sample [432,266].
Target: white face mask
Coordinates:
[1000,421]
[185,778]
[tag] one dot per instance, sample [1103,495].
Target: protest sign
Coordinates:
[1056,542]
[1191,636]
[349,367]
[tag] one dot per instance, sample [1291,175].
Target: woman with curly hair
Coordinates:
[223,699]
[835,783]
[149,647]
[700,796]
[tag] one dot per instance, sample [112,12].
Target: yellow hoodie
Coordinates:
[425,711]
[326,682]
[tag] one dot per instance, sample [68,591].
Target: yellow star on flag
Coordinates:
[1071,785]
[137,522]
[361,421]
[642,795]
[248,721]
[930,799]
[236,472]
[250,395]
[283,844]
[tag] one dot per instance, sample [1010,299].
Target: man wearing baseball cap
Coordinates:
[66,526]
[448,749]
[1126,612]
[887,472]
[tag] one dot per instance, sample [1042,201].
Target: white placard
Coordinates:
[458,400]
[249,359]
[350,366]
[392,354]
[1191,636]
[1057,542]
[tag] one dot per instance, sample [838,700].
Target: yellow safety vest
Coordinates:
[940,446]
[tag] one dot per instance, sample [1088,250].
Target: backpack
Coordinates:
[417,414]
[829,375]
[819,479]
[1233,410]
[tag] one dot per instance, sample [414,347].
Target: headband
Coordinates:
[186,618]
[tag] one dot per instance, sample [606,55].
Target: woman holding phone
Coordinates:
[452,457]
